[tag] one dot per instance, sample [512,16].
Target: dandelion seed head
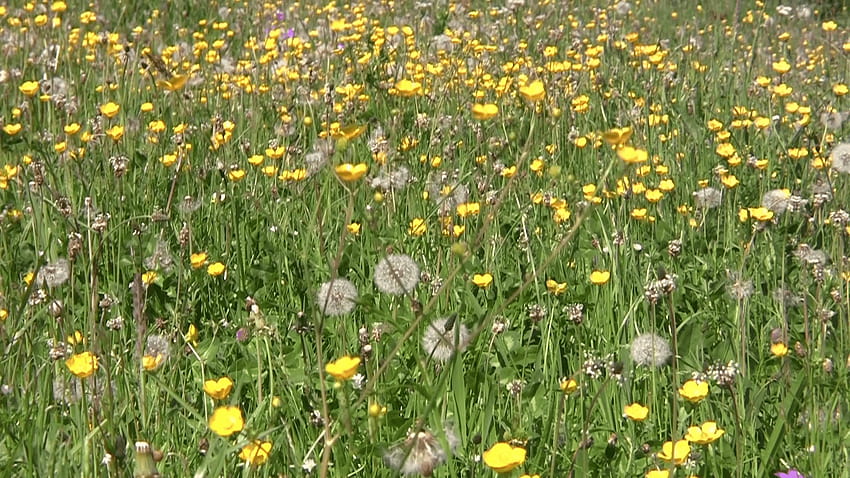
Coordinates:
[336,297]
[739,288]
[444,337]
[54,274]
[396,274]
[776,200]
[419,454]
[650,350]
[840,157]
[707,198]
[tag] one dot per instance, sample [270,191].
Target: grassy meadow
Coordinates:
[424,238]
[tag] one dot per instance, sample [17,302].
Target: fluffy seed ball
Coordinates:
[396,274]
[443,338]
[650,350]
[336,297]
[840,157]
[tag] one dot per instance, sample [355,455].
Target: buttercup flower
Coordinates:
[568,385]
[351,172]
[29,88]
[226,421]
[83,364]
[256,453]
[503,457]
[198,259]
[677,453]
[484,112]
[408,88]
[704,434]
[779,349]
[216,269]
[694,391]
[218,389]
[343,368]
[533,92]
[483,281]
[636,412]
[599,277]
[109,109]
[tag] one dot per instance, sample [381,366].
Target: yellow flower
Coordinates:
[779,349]
[657,474]
[617,136]
[568,385]
[4,314]
[482,280]
[218,389]
[533,92]
[762,214]
[782,90]
[149,277]
[408,88]
[226,421]
[376,410]
[76,338]
[417,227]
[29,88]
[109,109]
[149,362]
[236,175]
[555,287]
[653,195]
[82,364]
[484,112]
[840,89]
[177,82]
[354,228]
[631,155]
[509,172]
[192,335]
[12,128]
[677,453]
[599,277]
[468,209]
[116,132]
[198,259]
[72,129]
[730,181]
[781,66]
[348,133]
[343,368]
[351,172]
[636,412]
[256,453]
[503,457]
[694,391]
[704,434]
[216,269]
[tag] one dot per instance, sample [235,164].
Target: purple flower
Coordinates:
[242,335]
[792,473]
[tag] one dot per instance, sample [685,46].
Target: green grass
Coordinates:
[127,222]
